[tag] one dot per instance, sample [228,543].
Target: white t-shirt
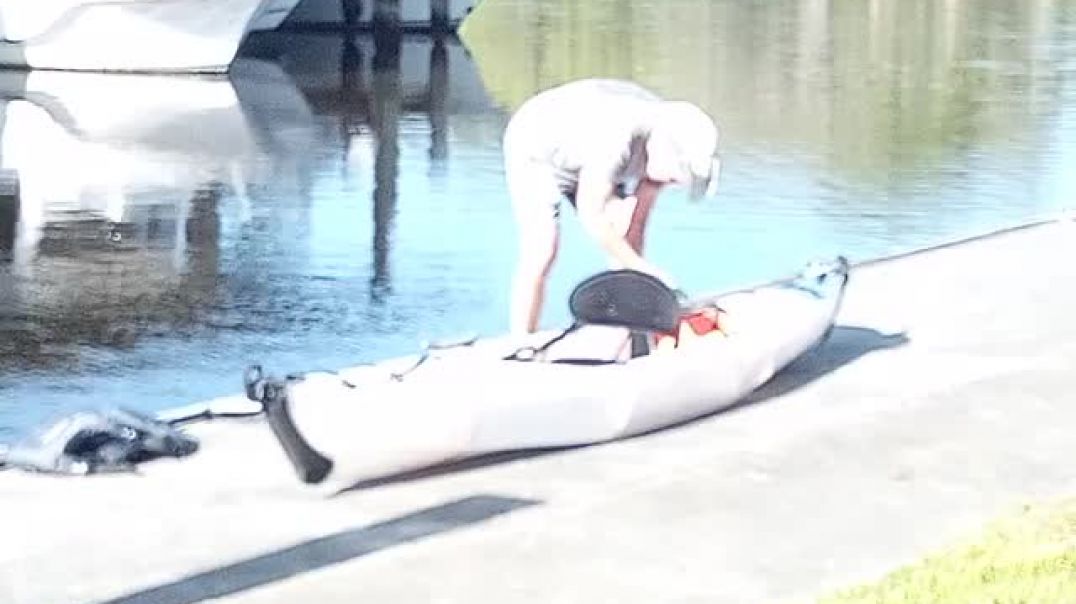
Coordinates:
[600,123]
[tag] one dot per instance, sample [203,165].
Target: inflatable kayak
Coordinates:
[586,385]
[636,359]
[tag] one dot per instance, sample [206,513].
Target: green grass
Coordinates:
[1027,558]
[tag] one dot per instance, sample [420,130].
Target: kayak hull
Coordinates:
[469,401]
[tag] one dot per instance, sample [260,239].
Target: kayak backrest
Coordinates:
[625,298]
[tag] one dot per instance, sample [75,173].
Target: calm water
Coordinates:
[337,201]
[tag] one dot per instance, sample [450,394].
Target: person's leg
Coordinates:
[535,204]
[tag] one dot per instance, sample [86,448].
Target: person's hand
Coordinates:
[671,283]
[668,280]
[658,273]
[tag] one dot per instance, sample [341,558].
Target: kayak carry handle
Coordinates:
[311,466]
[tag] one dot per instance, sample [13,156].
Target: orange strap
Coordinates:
[701,321]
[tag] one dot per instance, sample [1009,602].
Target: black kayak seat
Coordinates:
[624,298]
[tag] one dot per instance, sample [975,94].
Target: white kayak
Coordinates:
[470,399]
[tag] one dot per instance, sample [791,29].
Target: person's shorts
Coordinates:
[536,185]
[536,188]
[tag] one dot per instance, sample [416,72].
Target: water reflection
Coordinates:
[870,86]
[385,118]
[340,198]
[9,214]
[119,177]
[914,116]
[116,227]
[173,227]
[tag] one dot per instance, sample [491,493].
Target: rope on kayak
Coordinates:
[427,348]
[533,353]
[208,414]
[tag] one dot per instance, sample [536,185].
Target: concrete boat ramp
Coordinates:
[944,397]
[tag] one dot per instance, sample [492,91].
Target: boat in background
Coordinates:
[168,36]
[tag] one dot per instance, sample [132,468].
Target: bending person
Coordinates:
[591,141]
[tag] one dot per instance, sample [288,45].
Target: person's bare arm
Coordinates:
[593,192]
[645,195]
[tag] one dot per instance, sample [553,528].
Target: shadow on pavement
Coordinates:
[326,551]
[845,344]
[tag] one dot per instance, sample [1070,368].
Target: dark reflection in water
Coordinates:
[438,95]
[338,199]
[149,255]
[385,118]
[9,216]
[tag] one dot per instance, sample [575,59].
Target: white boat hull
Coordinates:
[125,147]
[468,401]
[188,36]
